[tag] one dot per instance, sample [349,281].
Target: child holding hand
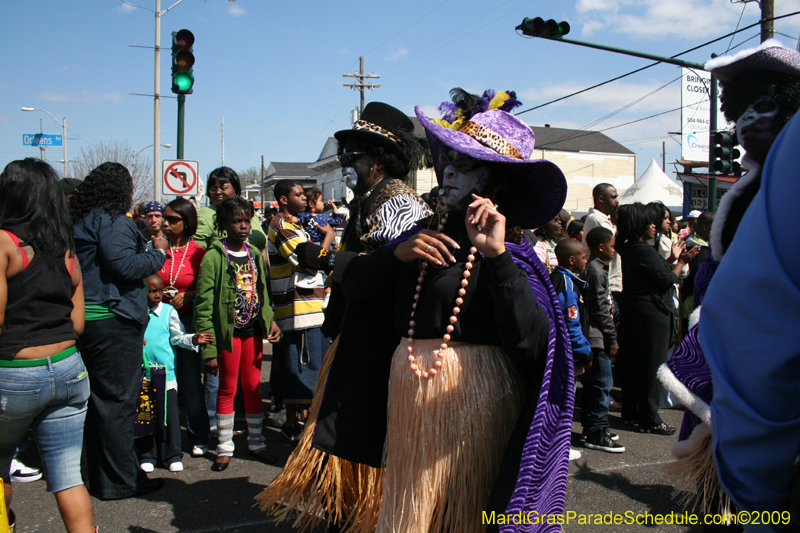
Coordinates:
[164,332]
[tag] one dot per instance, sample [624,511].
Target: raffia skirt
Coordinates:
[315,486]
[446,437]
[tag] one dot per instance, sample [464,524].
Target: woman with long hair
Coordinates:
[646,309]
[179,274]
[114,258]
[43,381]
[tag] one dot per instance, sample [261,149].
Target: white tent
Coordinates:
[653,186]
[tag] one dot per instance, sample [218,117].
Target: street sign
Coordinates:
[180,177]
[40,139]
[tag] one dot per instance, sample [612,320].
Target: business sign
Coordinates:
[180,177]
[40,139]
[695,115]
[700,196]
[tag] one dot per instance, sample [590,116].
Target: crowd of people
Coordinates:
[428,360]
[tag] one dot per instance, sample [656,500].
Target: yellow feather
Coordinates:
[499,99]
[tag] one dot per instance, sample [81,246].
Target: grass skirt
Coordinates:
[446,437]
[315,486]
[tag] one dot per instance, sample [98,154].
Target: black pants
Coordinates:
[165,445]
[112,352]
[644,347]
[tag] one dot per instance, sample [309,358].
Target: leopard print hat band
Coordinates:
[369,126]
[490,139]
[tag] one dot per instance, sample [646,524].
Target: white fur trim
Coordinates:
[694,318]
[684,448]
[724,61]
[683,394]
[717,251]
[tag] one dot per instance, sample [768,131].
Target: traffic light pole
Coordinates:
[712,125]
[181,101]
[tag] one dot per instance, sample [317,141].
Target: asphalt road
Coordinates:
[198,500]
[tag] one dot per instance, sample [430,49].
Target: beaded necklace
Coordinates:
[437,365]
[171,291]
[252,304]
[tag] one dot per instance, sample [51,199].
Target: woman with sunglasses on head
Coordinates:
[179,274]
[223,183]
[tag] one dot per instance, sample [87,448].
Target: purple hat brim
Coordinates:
[546,184]
[770,55]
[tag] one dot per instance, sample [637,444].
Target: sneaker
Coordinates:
[147,467]
[601,440]
[177,466]
[199,451]
[214,431]
[21,473]
[661,429]
[292,433]
[574,455]
[612,436]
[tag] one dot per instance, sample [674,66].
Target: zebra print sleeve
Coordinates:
[395,216]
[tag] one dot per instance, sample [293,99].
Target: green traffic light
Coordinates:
[184,80]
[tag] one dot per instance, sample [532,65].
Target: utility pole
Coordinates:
[664,156]
[767,15]
[157,108]
[361,76]
[41,146]
[263,200]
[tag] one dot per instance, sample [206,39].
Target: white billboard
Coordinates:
[695,113]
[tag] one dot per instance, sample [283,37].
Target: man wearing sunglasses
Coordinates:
[376,156]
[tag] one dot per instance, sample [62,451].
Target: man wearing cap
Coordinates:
[376,156]
[691,227]
[153,214]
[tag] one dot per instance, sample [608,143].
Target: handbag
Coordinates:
[151,411]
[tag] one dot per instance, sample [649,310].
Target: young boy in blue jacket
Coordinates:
[571,255]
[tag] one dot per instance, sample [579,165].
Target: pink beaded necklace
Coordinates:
[252,304]
[437,365]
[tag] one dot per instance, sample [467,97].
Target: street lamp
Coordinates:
[63,132]
[136,155]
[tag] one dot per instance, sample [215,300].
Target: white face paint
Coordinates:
[461,176]
[349,177]
[756,128]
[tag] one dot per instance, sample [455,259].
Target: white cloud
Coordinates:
[430,111]
[609,97]
[658,18]
[126,8]
[87,97]
[398,52]
[236,11]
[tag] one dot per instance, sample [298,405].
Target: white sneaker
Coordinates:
[176,467]
[147,467]
[199,451]
[21,473]
[574,455]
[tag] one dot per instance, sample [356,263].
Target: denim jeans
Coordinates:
[188,372]
[211,385]
[112,351]
[51,399]
[597,383]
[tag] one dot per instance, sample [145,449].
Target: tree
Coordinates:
[139,166]
[249,176]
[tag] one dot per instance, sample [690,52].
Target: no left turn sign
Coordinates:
[180,177]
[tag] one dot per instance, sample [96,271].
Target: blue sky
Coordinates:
[273,70]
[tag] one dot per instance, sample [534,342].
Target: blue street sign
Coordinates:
[40,139]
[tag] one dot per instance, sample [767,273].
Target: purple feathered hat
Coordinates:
[498,137]
[769,55]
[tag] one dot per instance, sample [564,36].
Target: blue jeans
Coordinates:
[188,372]
[597,383]
[51,399]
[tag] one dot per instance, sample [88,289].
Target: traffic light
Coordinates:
[538,27]
[725,154]
[182,62]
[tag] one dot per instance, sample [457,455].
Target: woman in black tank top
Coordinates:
[43,382]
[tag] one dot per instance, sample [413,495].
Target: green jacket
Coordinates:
[216,295]
[206,234]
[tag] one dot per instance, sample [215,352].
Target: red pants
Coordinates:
[244,361]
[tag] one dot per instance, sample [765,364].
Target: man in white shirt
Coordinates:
[605,202]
